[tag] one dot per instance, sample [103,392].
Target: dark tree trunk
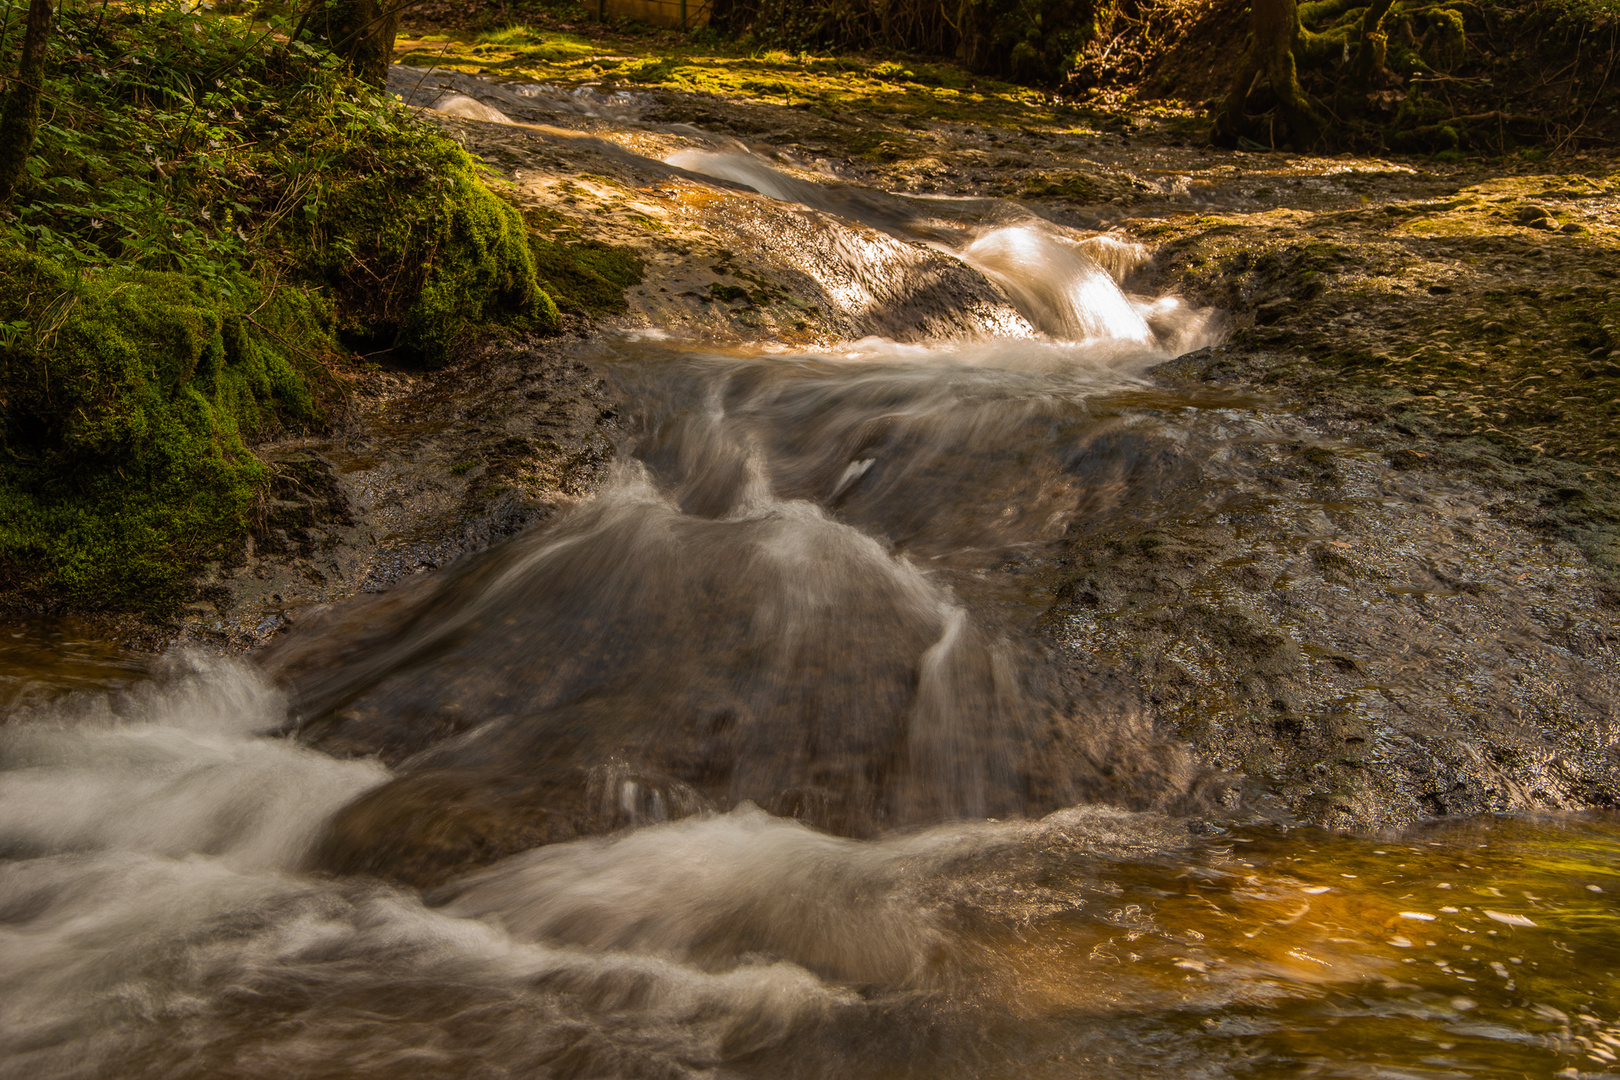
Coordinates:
[1374,45]
[1269,64]
[362,32]
[19,122]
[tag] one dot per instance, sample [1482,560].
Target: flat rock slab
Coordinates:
[1369,630]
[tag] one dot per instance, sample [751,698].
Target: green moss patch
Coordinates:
[208,212]
[1075,186]
[124,400]
[586,277]
[421,261]
[829,85]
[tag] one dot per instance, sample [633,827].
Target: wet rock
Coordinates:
[632,663]
[1376,651]
[692,638]
[1273,311]
[1535,217]
[424,469]
[435,823]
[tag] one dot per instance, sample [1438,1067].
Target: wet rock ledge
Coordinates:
[426,468]
[1365,610]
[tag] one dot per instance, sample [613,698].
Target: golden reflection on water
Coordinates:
[1486,948]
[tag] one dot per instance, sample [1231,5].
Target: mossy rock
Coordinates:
[420,261]
[1030,41]
[586,277]
[124,399]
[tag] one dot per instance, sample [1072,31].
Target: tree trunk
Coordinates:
[1274,26]
[361,32]
[1374,45]
[19,122]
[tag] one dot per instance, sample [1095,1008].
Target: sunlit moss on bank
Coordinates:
[912,87]
[585,277]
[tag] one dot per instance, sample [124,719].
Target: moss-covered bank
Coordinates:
[210,222]
[125,400]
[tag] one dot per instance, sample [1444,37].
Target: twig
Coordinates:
[431,69]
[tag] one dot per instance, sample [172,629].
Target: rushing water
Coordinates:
[815,804]
[155,921]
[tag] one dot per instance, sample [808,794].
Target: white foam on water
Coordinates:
[1094,366]
[155,919]
[470,109]
[741,167]
[115,956]
[1065,285]
[1056,284]
[727,888]
[154,890]
[176,771]
[716,890]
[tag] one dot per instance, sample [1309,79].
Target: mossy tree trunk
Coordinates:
[19,122]
[1267,103]
[360,31]
[1269,74]
[1374,45]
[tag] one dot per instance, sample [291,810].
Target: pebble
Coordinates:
[1504,917]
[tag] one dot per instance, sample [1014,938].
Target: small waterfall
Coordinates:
[947,759]
[764,607]
[470,109]
[170,772]
[768,653]
[1057,285]
[1066,286]
[743,168]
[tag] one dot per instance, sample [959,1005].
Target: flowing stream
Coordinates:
[748,766]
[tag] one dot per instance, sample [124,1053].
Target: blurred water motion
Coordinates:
[154,922]
[43,658]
